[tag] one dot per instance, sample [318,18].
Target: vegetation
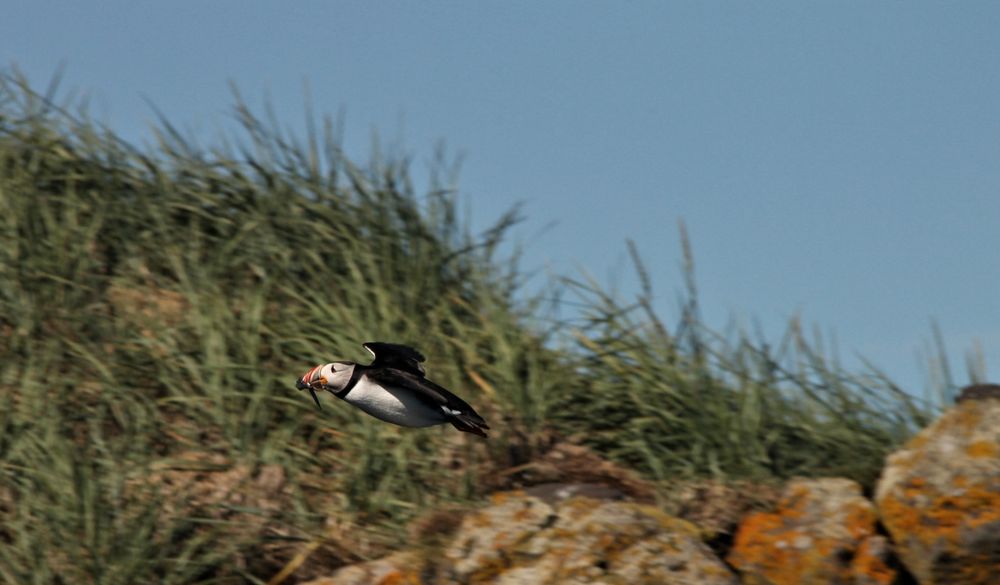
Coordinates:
[156,306]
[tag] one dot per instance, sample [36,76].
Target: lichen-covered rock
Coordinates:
[873,564]
[717,507]
[524,539]
[939,495]
[566,463]
[561,537]
[818,527]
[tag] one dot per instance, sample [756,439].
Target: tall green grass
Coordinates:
[687,401]
[157,304]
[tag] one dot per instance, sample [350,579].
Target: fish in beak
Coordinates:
[307,382]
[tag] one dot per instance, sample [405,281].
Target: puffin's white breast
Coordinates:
[396,405]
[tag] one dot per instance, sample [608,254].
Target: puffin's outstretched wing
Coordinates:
[458,411]
[394,355]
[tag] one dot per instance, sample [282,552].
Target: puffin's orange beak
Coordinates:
[306,383]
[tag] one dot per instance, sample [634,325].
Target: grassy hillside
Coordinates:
[157,305]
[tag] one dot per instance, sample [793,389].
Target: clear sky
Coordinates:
[837,160]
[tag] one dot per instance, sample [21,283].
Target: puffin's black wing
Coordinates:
[394,355]
[458,411]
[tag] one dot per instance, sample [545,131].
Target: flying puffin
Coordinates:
[393,388]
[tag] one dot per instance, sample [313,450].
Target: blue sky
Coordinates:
[835,160]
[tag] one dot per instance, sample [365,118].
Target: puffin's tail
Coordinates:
[470,423]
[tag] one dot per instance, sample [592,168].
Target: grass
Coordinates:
[156,305]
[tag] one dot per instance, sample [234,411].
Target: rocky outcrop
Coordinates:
[938,499]
[521,538]
[822,531]
[939,495]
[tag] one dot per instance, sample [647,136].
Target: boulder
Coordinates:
[567,463]
[563,534]
[822,531]
[525,539]
[717,507]
[939,495]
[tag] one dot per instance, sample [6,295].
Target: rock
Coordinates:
[939,495]
[567,463]
[818,528]
[435,527]
[979,392]
[717,507]
[552,493]
[874,562]
[523,539]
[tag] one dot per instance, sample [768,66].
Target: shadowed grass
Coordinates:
[156,307]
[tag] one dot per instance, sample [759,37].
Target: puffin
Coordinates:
[393,388]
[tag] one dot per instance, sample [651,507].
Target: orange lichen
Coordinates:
[961,423]
[977,569]
[964,418]
[789,546]
[499,498]
[982,449]
[860,521]
[500,540]
[869,565]
[488,571]
[918,441]
[762,543]
[605,541]
[522,514]
[793,505]
[480,521]
[941,517]
[926,520]
[397,577]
